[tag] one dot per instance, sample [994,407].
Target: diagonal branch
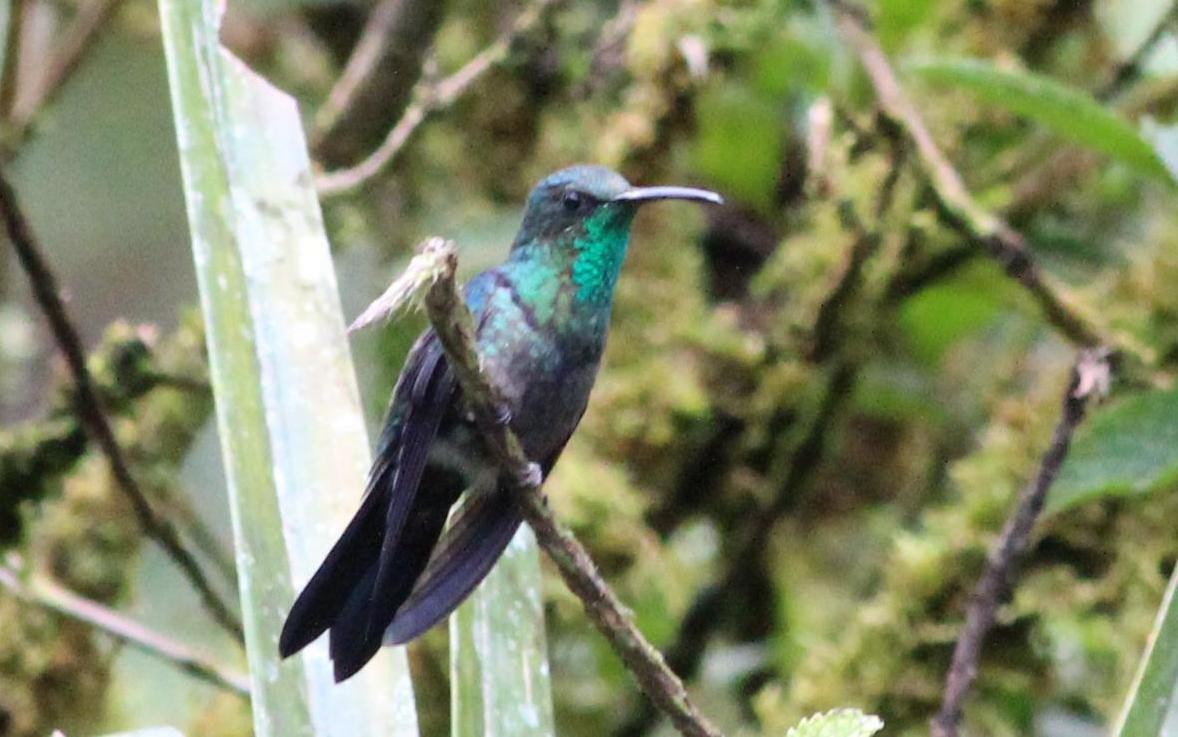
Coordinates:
[980,227]
[75,44]
[377,81]
[1128,70]
[1090,376]
[431,99]
[49,594]
[90,411]
[454,326]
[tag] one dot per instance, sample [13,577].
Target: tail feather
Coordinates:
[472,544]
[328,591]
[348,644]
[356,634]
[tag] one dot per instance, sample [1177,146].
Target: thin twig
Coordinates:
[190,384]
[1090,376]
[75,44]
[1129,69]
[90,411]
[942,264]
[378,80]
[430,99]
[454,326]
[40,590]
[828,319]
[958,207]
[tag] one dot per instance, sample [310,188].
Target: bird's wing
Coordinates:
[416,493]
[468,550]
[471,545]
[424,394]
[345,580]
[430,396]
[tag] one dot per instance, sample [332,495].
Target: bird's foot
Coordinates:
[534,476]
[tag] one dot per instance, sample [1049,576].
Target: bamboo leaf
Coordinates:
[288,412]
[1069,112]
[498,654]
[1125,449]
[1149,710]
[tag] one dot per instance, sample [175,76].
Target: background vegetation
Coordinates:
[819,402]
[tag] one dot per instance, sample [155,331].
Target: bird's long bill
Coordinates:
[648,194]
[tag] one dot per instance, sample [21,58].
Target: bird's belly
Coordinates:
[546,395]
[551,409]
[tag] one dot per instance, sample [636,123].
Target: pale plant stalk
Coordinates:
[288,411]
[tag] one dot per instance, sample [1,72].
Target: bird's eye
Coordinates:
[571,200]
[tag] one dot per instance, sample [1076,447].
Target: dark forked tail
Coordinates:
[362,604]
[318,606]
[368,575]
[373,566]
[379,582]
[349,596]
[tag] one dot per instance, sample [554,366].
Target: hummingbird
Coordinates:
[541,320]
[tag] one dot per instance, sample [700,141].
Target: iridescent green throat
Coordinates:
[599,252]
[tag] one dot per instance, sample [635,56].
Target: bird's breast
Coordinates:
[542,375]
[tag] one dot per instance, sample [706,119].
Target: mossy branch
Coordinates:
[433,271]
[958,207]
[431,98]
[92,414]
[126,366]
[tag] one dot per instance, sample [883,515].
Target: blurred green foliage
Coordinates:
[1067,111]
[85,534]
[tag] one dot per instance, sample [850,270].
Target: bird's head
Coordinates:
[577,227]
[584,199]
[577,223]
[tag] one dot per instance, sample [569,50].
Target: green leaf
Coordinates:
[498,654]
[288,412]
[952,309]
[1151,698]
[145,732]
[897,18]
[1069,112]
[740,142]
[837,723]
[1124,449]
